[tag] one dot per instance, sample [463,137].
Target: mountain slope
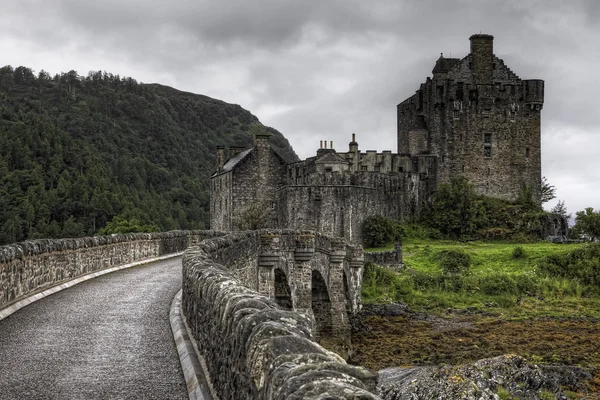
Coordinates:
[77,151]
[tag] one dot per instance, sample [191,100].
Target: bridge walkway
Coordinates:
[106,338]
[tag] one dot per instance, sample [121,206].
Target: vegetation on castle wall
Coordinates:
[77,151]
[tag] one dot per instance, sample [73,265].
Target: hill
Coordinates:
[76,151]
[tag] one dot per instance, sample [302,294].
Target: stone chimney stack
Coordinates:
[235,150]
[482,58]
[220,158]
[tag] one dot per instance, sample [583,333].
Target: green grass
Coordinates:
[500,280]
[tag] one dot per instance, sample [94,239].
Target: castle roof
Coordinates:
[444,64]
[331,158]
[232,162]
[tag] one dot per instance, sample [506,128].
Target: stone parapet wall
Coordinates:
[253,348]
[30,266]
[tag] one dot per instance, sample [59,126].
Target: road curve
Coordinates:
[106,338]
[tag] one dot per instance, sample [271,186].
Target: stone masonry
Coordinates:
[474,117]
[34,265]
[479,120]
[254,347]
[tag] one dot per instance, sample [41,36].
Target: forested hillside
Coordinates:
[76,152]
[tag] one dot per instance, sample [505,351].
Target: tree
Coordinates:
[560,209]
[377,231]
[122,225]
[547,191]
[454,208]
[255,216]
[587,222]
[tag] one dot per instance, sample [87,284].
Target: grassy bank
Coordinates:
[503,278]
[538,300]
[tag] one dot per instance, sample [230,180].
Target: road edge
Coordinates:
[192,363]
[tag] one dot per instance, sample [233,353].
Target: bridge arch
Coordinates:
[321,306]
[283,294]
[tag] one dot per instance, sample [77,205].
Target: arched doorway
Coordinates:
[321,306]
[283,294]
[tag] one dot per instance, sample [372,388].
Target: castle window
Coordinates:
[456,114]
[487,144]
[363,167]
[328,169]
[415,165]
[377,168]
[527,152]
[459,91]
[401,169]
[461,137]
[272,205]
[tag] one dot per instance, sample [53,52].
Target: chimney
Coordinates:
[235,150]
[220,158]
[353,145]
[482,58]
[331,144]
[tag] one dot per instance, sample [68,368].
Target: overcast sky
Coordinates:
[321,70]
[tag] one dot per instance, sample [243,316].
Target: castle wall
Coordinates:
[481,121]
[221,203]
[337,203]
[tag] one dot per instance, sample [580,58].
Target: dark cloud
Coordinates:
[320,70]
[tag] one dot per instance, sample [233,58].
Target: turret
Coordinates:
[482,58]
[533,90]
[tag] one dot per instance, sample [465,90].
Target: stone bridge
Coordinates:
[256,303]
[303,271]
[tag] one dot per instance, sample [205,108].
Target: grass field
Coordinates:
[500,280]
[504,303]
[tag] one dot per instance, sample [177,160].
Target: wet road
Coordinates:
[106,338]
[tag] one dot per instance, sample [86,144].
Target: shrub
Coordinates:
[518,252]
[454,261]
[499,284]
[582,265]
[377,231]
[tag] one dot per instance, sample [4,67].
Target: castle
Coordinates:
[474,118]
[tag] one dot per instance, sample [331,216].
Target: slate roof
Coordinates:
[331,158]
[444,64]
[232,162]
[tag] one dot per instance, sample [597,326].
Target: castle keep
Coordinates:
[474,118]
[480,120]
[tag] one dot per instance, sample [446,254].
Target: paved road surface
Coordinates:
[106,338]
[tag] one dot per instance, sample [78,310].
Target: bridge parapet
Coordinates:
[254,348]
[30,266]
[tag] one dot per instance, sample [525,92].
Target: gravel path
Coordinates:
[106,338]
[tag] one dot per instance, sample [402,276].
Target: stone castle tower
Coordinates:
[480,120]
[474,118]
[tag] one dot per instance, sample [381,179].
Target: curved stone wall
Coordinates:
[253,348]
[28,267]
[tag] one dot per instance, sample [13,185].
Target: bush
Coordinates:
[499,284]
[454,261]
[582,265]
[377,231]
[518,252]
